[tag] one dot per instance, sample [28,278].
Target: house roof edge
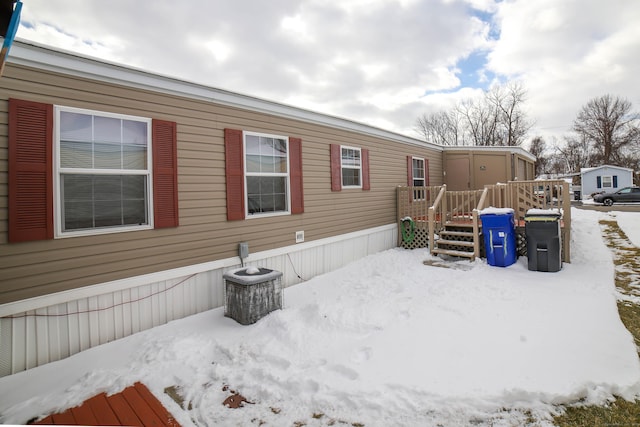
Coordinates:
[39,56]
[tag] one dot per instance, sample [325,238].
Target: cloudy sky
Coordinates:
[381,62]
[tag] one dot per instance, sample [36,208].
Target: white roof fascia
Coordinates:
[583,170]
[38,56]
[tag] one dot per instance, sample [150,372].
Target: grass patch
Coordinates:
[627,264]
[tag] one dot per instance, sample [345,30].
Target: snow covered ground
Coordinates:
[385,341]
[630,224]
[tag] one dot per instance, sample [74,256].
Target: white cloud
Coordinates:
[567,53]
[367,60]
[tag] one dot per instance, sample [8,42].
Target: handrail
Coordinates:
[432,215]
[483,199]
[476,226]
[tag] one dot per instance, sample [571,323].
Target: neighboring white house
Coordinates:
[605,178]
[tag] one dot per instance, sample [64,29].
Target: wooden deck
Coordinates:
[439,211]
[133,406]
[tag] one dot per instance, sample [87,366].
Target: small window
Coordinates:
[351,167]
[102,172]
[419,180]
[266,174]
[607,182]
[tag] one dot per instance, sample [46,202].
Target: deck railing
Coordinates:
[437,215]
[524,195]
[439,206]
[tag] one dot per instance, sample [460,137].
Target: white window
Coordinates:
[102,172]
[419,180]
[266,174]
[607,181]
[418,172]
[351,167]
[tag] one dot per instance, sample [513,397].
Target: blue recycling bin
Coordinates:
[498,228]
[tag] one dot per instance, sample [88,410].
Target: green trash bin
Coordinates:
[544,241]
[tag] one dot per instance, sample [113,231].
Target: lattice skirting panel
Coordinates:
[421,239]
[521,242]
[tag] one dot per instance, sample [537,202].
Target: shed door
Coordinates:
[458,176]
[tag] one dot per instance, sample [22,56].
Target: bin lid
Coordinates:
[496,211]
[542,215]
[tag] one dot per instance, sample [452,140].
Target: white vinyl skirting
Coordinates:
[49,328]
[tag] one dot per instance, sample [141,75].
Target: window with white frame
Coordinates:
[351,166]
[266,174]
[607,181]
[419,180]
[102,172]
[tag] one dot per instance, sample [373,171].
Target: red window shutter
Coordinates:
[366,185]
[336,168]
[30,171]
[165,173]
[409,171]
[295,175]
[234,161]
[426,172]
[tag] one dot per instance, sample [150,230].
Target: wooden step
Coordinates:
[451,252]
[456,233]
[456,224]
[454,242]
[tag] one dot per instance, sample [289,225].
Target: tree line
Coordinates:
[606,130]
[496,119]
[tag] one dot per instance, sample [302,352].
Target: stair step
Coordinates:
[454,242]
[459,224]
[456,233]
[451,252]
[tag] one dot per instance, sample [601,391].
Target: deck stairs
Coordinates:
[456,239]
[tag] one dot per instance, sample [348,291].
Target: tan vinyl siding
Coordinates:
[36,268]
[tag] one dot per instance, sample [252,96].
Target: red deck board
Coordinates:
[142,408]
[125,413]
[83,415]
[65,418]
[103,411]
[133,406]
[156,406]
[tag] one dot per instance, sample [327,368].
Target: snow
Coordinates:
[544,212]
[629,222]
[496,211]
[384,341]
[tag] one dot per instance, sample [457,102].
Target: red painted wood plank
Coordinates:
[102,410]
[141,407]
[156,406]
[134,406]
[64,418]
[83,415]
[123,411]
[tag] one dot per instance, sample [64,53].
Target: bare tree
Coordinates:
[538,147]
[512,121]
[608,126]
[443,128]
[575,153]
[480,120]
[497,118]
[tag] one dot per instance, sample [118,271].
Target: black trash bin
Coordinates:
[544,241]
